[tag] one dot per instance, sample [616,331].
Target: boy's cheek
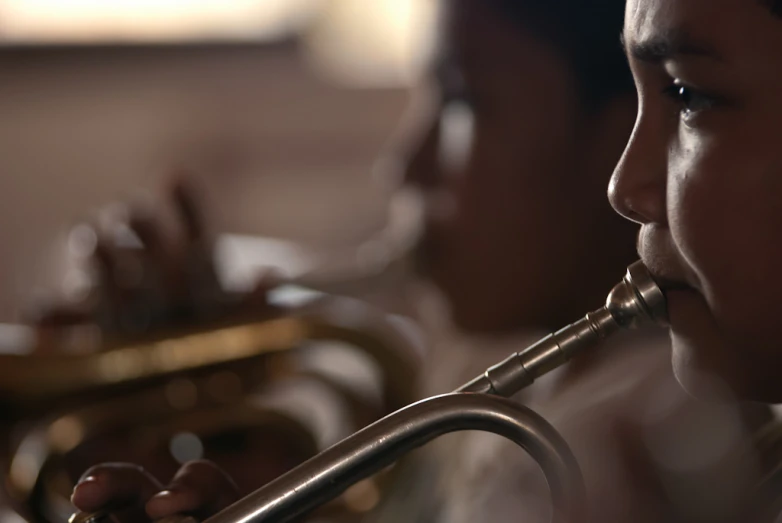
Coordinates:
[706,344]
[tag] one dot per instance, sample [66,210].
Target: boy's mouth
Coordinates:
[669,284]
[664,262]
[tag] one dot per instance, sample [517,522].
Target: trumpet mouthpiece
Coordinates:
[637,298]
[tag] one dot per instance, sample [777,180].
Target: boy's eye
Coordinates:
[690,100]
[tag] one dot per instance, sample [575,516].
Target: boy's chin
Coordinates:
[706,376]
[702,357]
[698,380]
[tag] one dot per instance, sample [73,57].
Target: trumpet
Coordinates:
[166,379]
[481,404]
[202,383]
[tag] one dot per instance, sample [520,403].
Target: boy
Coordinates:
[555,104]
[701,175]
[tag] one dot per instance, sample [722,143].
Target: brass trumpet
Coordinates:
[168,381]
[201,382]
[478,405]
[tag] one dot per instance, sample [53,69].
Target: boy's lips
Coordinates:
[667,284]
[664,262]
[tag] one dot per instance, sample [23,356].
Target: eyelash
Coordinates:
[690,101]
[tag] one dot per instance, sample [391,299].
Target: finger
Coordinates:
[114,290]
[58,326]
[203,290]
[188,210]
[149,231]
[199,489]
[105,258]
[56,317]
[268,278]
[161,256]
[117,247]
[265,281]
[127,302]
[121,487]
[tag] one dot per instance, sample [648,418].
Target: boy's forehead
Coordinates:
[652,19]
[716,25]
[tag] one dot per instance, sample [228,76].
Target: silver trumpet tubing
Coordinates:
[480,404]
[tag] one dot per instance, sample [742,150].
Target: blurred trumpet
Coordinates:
[199,382]
[478,405]
[195,383]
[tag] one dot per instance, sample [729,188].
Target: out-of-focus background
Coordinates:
[281,108]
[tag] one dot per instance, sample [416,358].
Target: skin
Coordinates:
[702,175]
[506,257]
[500,258]
[199,489]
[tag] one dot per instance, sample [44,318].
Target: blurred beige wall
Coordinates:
[280,151]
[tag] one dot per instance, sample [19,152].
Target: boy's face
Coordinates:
[702,174]
[518,231]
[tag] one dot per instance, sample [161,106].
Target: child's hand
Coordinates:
[150,274]
[199,489]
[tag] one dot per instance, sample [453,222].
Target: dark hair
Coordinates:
[587,33]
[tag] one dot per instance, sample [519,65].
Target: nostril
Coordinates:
[639,200]
[619,201]
[627,210]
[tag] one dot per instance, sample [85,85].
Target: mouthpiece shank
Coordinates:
[522,368]
[636,299]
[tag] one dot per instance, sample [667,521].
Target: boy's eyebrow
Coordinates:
[668,46]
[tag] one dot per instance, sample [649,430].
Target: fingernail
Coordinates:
[162,503]
[83,483]
[164,494]
[88,479]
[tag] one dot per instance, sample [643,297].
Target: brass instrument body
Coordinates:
[478,405]
[53,406]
